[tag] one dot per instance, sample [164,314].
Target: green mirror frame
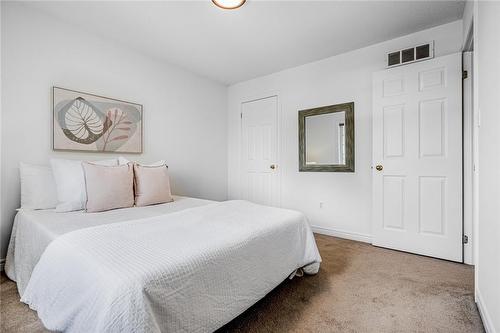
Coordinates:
[348,108]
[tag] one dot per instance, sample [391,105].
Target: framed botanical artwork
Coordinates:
[87,122]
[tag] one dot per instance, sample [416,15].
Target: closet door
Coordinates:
[259,174]
[417,158]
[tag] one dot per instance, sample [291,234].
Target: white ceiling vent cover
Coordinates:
[411,54]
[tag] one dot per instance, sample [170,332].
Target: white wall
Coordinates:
[487,44]
[184,114]
[343,78]
[467,19]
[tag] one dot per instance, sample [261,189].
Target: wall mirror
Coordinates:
[326,138]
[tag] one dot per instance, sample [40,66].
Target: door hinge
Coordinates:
[465,75]
[241,115]
[466,239]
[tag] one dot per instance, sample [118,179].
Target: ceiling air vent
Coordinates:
[410,55]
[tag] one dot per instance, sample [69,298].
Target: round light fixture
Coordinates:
[229,4]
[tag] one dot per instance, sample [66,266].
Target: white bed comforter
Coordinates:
[34,230]
[188,271]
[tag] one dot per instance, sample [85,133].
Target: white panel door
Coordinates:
[259,178]
[417,158]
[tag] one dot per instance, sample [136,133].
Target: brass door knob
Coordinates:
[272,166]
[379,167]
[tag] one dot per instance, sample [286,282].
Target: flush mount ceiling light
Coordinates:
[229,4]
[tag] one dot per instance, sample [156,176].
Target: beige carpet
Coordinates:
[360,288]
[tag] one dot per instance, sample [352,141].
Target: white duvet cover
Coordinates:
[189,271]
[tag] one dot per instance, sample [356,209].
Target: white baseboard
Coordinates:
[2,263]
[343,234]
[483,312]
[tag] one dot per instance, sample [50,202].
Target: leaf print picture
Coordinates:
[86,122]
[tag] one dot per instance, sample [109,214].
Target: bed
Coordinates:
[187,266]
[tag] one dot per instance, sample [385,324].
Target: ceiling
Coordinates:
[260,38]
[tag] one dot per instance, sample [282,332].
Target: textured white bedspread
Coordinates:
[188,271]
[33,230]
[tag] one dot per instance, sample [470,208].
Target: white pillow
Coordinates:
[38,188]
[70,182]
[122,161]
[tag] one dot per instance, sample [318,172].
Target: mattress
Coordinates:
[33,230]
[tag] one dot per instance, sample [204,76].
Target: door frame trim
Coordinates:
[278,141]
[468,162]
[470,256]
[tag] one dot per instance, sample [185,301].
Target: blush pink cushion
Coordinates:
[152,185]
[108,187]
